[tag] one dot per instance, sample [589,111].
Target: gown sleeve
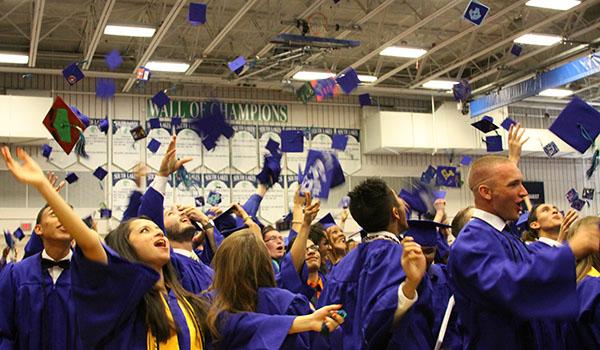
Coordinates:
[290,279]
[152,206]
[106,296]
[33,246]
[7,309]
[247,330]
[135,200]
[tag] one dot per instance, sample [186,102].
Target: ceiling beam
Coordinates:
[501,14]
[312,8]
[9,12]
[36,27]
[222,34]
[506,41]
[93,45]
[405,33]
[156,39]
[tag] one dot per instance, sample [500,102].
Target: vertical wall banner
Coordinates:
[186,195]
[169,198]
[273,204]
[350,159]
[321,138]
[244,185]
[220,183]
[162,135]
[125,149]
[265,133]
[293,185]
[59,158]
[217,159]
[244,147]
[95,145]
[189,144]
[123,184]
[293,159]
[536,191]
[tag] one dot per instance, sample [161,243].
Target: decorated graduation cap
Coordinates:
[321,173]
[73,73]
[71,177]
[199,201]
[574,200]
[325,88]
[588,193]
[424,231]
[447,176]
[105,88]
[485,125]
[214,198]
[138,133]
[348,80]
[100,173]
[8,239]
[65,127]
[19,234]
[113,60]
[579,125]
[365,100]
[292,141]
[305,92]
[142,74]
[462,91]
[327,221]
[551,149]
[493,143]
[506,123]
[105,213]
[197,13]
[237,65]
[339,142]
[46,151]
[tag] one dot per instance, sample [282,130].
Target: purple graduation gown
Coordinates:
[296,283]
[585,332]
[34,313]
[366,283]
[194,276]
[500,287]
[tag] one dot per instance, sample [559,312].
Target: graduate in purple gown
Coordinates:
[336,237]
[37,310]
[245,283]
[546,226]
[126,293]
[499,285]
[377,281]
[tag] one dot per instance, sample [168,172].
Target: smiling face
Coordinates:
[507,191]
[336,237]
[548,218]
[275,244]
[149,243]
[50,229]
[177,224]
[312,257]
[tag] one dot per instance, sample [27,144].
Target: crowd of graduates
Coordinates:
[177,277]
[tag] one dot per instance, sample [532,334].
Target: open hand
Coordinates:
[52,178]
[327,315]
[413,262]
[570,218]
[311,210]
[170,163]
[29,172]
[515,142]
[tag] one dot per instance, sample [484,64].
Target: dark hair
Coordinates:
[152,306]
[242,265]
[371,204]
[38,219]
[531,234]
[267,229]
[460,220]
[316,233]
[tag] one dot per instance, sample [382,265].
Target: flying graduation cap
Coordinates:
[113,60]
[348,80]
[321,173]
[71,177]
[292,141]
[485,125]
[339,142]
[100,173]
[65,127]
[161,99]
[73,73]
[462,91]
[8,239]
[237,65]
[493,143]
[105,88]
[424,232]
[19,234]
[197,13]
[153,145]
[365,100]
[506,123]
[447,176]
[46,151]
[212,126]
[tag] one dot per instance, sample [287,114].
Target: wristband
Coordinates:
[297,222]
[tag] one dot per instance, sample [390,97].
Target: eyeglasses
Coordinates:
[314,248]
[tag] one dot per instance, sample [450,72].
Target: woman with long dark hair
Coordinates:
[127,295]
[244,292]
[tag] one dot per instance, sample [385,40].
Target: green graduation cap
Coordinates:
[64,125]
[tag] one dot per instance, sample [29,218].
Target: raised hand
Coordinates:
[170,163]
[570,218]
[327,315]
[139,172]
[29,172]
[413,264]
[52,178]
[194,214]
[311,210]
[515,142]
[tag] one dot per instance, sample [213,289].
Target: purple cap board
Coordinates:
[71,177]
[493,143]
[348,80]
[339,142]
[73,74]
[154,145]
[424,232]
[100,173]
[19,234]
[46,151]
[292,141]
[365,100]
[578,124]
[197,13]
[113,60]
[506,123]
[327,221]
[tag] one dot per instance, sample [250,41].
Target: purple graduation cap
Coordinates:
[138,133]
[292,141]
[462,91]
[572,195]
[485,125]
[100,173]
[327,221]
[522,221]
[237,65]
[197,13]
[446,176]
[73,74]
[493,143]
[8,239]
[19,234]
[84,118]
[46,151]
[466,160]
[113,60]
[71,177]
[160,99]
[516,49]
[271,170]
[348,80]
[578,125]
[105,88]
[439,194]
[214,198]
[578,204]
[365,100]
[272,146]
[212,126]
[154,123]
[551,149]
[428,175]
[153,145]
[506,123]
[104,125]
[199,201]
[424,232]
[284,223]
[105,213]
[321,173]
[88,221]
[344,202]
[420,198]
[339,142]
[176,121]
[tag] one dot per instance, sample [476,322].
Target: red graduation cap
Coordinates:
[63,124]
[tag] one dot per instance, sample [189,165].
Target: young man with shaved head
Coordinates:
[501,287]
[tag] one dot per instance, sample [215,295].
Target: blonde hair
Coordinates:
[584,265]
[483,170]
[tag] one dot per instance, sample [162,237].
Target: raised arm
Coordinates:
[30,173]
[516,142]
[298,250]
[297,215]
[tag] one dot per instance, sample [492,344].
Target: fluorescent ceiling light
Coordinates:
[403,51]
[305,75]
[539,39]
[562,5]
[556,93]
[439,84]
[137,31]
[366,78]
[161,66]
[14,58]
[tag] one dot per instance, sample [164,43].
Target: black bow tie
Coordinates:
[63,264]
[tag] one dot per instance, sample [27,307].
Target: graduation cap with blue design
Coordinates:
[574,200]
[466,160]
[579,125]
[327,221]
[8,239]
[424,232]
[447,176]
[344,202]
[237,65]
[419,198]
[428,175]
[66,127]
[73,73]
[321,173]
[292,141]
[46,151]
[506,123]
[214,198]
[551,149]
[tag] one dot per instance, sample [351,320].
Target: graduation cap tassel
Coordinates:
[586,135]
[80,145]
